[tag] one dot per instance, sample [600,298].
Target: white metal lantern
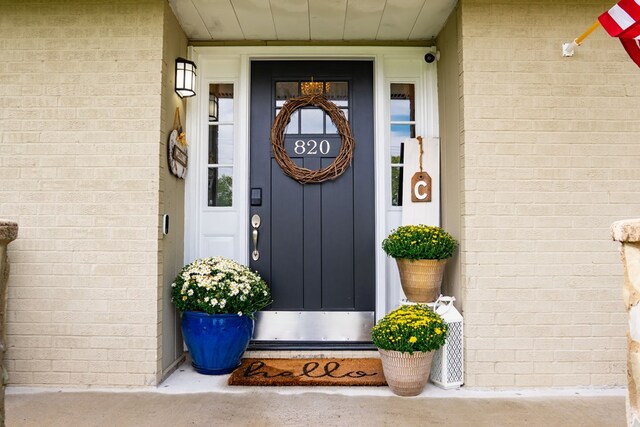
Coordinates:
[447,369]
[185,77]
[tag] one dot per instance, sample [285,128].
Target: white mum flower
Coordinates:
[190,292]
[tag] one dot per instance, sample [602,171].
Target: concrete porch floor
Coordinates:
[189,399]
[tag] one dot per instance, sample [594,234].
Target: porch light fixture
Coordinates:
[185,77]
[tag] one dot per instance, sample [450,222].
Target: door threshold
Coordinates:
[311,345]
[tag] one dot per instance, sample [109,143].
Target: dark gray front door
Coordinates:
[316,241]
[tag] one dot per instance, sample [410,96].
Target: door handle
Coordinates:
[255,223]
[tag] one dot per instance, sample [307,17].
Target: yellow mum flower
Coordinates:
[413,339]
[438,331]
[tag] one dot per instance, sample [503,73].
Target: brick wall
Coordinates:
[80,86]
[551,155]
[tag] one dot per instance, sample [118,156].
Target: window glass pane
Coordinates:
[311,120]
[402,103]
[284,91]
[213,107]
[396,185]
[220,186]
[397,154]
[220,144]
[221,102]
[338,93]
[331,127]
[398,134]
[293,126]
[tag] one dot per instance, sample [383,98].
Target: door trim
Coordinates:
[233,64]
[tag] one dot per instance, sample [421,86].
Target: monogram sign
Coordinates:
[421,187]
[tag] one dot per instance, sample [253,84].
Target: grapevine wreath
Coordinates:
[304,175]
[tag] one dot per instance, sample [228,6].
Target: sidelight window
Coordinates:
[221,145]
[403,125]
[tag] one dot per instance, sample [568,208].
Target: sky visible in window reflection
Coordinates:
[398,134]
[400,110]
[311,120]
[225,106]
[221,144]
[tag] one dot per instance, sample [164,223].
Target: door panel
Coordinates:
[316,241]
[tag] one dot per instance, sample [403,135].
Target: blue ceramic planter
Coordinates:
[216,342]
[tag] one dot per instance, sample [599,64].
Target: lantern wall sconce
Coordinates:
[185,77]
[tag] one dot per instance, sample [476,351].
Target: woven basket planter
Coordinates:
[421,278]
[406,374]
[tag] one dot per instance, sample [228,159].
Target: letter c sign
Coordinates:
[421,187]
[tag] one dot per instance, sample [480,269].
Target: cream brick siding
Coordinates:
[80,125]
[550,159]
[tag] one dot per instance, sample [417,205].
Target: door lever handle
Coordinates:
[255,223]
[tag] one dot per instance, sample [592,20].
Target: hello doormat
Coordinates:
[309,372]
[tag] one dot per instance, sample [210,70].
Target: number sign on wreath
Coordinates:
[304,175]
[177,146]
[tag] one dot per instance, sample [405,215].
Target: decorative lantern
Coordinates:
[447,369]
[185,77]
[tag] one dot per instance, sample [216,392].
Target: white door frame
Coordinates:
[224,64]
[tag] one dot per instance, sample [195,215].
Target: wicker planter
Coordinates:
[406,374]
[421,278]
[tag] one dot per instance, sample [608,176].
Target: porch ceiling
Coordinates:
[314,20]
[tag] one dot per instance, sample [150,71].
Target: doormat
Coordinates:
[309,372]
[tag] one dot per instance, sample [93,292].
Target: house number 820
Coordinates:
[312,147]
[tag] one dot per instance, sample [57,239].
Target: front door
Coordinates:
[315,244]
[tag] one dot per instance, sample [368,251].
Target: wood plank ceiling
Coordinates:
[316,20]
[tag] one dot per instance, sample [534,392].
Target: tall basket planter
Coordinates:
[406,374]
[421,279]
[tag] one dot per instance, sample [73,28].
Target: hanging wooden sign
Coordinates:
[421,187]
[177,148]
[420,182]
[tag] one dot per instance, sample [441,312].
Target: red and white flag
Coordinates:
[623,21]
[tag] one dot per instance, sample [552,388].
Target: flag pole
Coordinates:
[568,49]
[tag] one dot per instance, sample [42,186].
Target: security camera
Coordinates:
[430,57]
